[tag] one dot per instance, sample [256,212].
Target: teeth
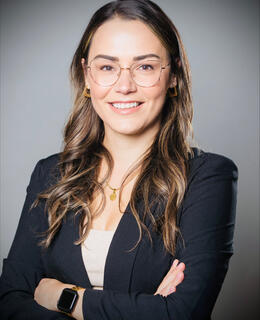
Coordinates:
[125,105]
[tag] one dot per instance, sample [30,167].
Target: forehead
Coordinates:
[125,39]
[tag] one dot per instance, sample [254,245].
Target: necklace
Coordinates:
[113,194]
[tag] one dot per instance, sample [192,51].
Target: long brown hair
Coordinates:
[163,167]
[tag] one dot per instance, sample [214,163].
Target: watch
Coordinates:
[68,299]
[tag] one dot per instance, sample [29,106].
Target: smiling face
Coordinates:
[126,107]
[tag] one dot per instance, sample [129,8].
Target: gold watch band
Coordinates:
[76,288]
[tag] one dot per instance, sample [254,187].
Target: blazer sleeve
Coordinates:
[207,223]
[22,270]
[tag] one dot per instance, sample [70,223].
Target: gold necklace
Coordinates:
[113,194]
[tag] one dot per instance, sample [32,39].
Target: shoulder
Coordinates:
[49,163]
[203,164]
[45,173]
[211,189]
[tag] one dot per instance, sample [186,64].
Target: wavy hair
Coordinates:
[163,167]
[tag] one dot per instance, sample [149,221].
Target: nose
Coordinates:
[125,84]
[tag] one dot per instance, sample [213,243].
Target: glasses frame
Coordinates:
[130,71]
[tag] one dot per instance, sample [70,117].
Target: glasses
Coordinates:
[145,73]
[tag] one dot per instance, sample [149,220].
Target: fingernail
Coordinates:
[175,262]
[181,265]
[171,290]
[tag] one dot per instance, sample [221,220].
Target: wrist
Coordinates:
[68,298]
[58,293]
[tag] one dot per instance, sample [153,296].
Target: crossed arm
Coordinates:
[207,224]
[49,290]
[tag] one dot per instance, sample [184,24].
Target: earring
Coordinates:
[174,93]
[86,92]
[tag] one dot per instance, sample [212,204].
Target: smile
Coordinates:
[125,105]
[126,108]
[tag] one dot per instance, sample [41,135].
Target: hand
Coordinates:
[48,292]
[174,277]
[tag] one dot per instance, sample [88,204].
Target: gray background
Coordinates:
[38,39]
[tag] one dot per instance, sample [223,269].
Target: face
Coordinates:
[125,107]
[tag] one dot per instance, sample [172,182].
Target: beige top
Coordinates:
[94,252]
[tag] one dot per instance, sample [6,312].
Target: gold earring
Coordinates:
[86,92]
[174,93]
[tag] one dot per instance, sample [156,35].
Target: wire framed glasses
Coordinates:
[145,73]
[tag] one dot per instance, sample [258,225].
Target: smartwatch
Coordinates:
[68,299]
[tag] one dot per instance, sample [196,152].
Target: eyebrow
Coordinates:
[137,58]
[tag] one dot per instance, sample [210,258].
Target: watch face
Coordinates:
[67,300]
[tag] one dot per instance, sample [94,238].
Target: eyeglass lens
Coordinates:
[145,73]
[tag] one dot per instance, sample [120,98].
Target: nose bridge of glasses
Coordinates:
[129,76]
[124,68]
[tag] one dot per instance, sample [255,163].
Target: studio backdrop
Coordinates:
[38,39]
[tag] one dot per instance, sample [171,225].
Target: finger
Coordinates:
[171,287]
[164,281]
[171,275]
[172,281]
[180,266]
[175,263]
[160,286]
[171,290]
[174,271]
[179,278]
[168,290]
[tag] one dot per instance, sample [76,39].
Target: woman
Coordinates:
[128,198]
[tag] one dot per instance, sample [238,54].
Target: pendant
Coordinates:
[113,195]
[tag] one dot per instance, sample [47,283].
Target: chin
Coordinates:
[129,132]
[125,127]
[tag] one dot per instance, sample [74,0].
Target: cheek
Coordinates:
[159,90]
[98,92]
[98,95]
[155,95]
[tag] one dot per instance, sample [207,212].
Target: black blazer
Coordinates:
[206,219]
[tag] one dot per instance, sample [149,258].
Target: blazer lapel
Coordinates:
[119,262]
[80,273]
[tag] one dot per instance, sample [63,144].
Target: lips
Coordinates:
[125,107]
[125,104]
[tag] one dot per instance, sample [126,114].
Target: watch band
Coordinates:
[76,288]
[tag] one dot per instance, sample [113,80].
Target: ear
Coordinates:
[172,81]
[84,68]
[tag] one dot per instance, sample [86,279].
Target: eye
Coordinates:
[145,67]
[106,68]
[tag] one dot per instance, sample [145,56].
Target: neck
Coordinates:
[125,150]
